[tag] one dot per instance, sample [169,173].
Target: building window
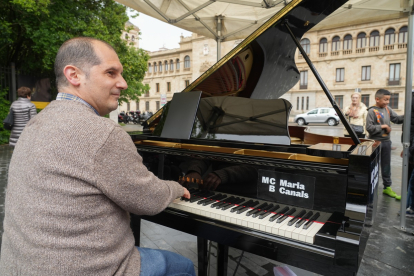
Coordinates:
[166,66]
[389,37]
[146,94]
[177,64]
[160,66]
[374,39]
[297,103]
[137,106]
[155,67]
[128,106]
[133,38]
[394,78]
[339,101]
[126,36]
[147,106]
[187,83]
[365,99]
[366,73]
[157,87]
[157,105]
[307,103]
[402,35]
[187,62]
[305,45]
[168,86]
[361,40]
[323,45]
[149,68]
[336,46]
[303,102]
[340,74]
[348,42]
[171,65]
[303,80]
[394,100]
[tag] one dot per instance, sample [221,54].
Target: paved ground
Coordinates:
[389,251]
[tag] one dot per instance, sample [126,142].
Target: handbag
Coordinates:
[358,129]
[8,121]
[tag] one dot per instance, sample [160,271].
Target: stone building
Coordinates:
[363,58]
[132,35]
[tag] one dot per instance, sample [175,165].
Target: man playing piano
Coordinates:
[67,210]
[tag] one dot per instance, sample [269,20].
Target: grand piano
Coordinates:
[258,184]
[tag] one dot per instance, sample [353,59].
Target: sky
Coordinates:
[156,34]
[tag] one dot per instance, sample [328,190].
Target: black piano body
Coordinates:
[232,123]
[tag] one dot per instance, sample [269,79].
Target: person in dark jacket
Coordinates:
[23,110]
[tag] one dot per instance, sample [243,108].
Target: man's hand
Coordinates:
[211,182]
[186,193]
[387,128]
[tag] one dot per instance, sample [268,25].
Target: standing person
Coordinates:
[66,208]
[356,114]
[23,110]
[378,126]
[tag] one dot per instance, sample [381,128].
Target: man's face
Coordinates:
[384,101]
[103,86]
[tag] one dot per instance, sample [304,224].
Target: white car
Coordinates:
[318,115]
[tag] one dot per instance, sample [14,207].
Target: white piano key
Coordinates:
[310,236]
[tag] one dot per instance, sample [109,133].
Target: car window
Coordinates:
[315,111]
[324,110]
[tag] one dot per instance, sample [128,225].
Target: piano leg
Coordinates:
[222,259]
[136,228]
[202,256]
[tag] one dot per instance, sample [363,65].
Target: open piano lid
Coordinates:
[260,68]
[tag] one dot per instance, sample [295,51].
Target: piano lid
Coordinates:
[262,66]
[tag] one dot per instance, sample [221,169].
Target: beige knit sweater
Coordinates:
[69,195]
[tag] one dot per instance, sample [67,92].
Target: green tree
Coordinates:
[33,30]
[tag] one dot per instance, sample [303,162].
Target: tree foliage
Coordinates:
[33,30]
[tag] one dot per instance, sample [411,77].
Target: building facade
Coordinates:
[362,58]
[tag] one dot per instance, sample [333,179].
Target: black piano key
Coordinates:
[202,194]
[296,218]
[310,222]
[237,201]
[303,219]
[215,200]
[269,212]
[247,206]
[223,202]
[272,218]
[215,197]
[263,211]
[286,215]
[241,206]
[256,210]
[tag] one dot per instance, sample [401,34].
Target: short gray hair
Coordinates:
[79,52]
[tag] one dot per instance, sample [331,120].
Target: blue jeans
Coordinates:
[156,262]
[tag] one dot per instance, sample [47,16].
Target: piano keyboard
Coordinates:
[272,218]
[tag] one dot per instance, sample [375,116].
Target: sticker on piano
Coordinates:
[291,189]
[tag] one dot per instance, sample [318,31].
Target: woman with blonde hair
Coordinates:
[356,113]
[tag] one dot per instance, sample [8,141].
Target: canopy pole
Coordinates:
[407,118]
[219,18]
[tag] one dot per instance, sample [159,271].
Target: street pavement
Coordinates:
[389,251]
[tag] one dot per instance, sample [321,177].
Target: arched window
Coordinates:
[402,35]
[126,36]
[305,45]
[348,42]
[149,68]
[336,46]
[374,39]
[323,45]
[389,37]
[187,62]
[171,65]
[160,66]
[155,67]
[166,66]
[177,64]
[361,40]
[132,38]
